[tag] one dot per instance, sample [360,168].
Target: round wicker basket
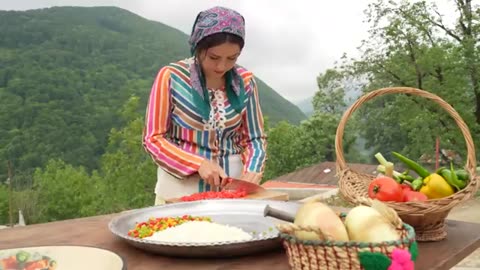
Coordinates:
[327,253]
[427,218]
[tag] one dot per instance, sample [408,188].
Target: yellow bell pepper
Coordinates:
[435,187]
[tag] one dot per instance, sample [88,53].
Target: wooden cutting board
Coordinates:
[264,195]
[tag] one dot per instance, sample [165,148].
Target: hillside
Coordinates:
[306,106]
[66,72]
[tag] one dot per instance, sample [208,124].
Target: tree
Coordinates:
[62,192]
[407,48]
[330,98]
[283,150]
[127,172]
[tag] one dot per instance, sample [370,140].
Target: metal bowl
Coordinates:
[245,214]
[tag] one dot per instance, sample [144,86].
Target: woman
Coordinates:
[203,119]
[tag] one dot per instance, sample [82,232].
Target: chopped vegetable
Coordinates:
[226,194]
[23,260]
[146,229]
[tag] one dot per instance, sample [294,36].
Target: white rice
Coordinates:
[200,232]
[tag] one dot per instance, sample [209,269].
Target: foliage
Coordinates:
[4,210]
[64,71]
[282,151]
[125,179]
[128,174]
[63,192]
[294,147]
[409,45]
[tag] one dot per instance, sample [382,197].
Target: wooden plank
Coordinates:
[463,238]
[269,195]
[265,195]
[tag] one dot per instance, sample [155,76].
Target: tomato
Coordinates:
[385,189]
[411,196]
[406,187]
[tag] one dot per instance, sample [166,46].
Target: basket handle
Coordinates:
[471,161]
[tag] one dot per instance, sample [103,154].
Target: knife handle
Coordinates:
[277,213]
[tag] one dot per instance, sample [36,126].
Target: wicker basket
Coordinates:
[327,254]
[427,218]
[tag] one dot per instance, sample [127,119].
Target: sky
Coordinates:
[288,43]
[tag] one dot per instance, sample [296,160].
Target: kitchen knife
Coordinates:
[237,184]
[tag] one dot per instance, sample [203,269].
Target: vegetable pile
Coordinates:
[23,260]
[394,186]
[152,225]
[362,223]
[226,194]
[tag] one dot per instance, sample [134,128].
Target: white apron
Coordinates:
[169,186]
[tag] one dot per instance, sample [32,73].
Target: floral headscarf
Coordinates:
[208,22]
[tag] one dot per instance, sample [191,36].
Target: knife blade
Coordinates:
[237,184]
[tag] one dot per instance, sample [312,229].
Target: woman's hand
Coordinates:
[212,173]
[252,177]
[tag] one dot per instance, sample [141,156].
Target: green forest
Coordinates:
[74,84]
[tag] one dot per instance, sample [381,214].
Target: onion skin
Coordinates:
[317,214]
[365,224]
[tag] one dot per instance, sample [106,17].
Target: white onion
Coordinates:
[365,224]
[319,215]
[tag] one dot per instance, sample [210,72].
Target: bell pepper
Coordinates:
[449,177]
[456,178]
[436,187]
[421,171]
[462,175]
[452,178]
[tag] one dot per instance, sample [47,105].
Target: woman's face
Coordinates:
[216,61]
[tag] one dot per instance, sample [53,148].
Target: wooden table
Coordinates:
[463,239]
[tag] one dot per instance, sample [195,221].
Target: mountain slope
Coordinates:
[65,73]
[306,106]
[106,33]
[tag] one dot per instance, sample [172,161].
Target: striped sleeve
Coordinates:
[157,120]
[253,136]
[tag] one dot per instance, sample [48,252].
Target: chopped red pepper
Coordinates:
[214,195]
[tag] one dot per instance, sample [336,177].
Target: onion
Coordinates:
[365,224]
[319,215]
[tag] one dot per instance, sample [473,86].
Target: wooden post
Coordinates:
[10,193]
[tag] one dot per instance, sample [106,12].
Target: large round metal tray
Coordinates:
[245,214]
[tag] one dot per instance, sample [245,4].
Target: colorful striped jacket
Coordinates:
[178,139]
